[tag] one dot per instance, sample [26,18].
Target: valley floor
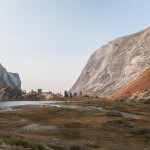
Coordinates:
[77,125]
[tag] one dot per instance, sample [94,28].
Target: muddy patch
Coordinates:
[9,109]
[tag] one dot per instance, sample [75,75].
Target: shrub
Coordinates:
[16,141]
[114,114]
[140,131]
[66,94]
[147,101]
[78,147]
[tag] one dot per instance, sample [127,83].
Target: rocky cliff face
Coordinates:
[115,64]
[9,79]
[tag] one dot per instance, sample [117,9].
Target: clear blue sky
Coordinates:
[48,42]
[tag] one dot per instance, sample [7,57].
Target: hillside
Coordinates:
[138,88]
[9,79]
[115,64]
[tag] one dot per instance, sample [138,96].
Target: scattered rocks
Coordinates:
[35,127]
[23,120]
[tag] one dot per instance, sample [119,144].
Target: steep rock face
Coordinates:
[115,64]
[9,93]
[9,79]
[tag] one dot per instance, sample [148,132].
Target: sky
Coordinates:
[48,42]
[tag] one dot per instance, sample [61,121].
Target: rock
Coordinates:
[37,127]
[115,64]
[89,95]
[10,84]
[9,93]
[9,79]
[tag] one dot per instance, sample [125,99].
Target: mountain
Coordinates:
[9,79]
[115,64]
[137,88]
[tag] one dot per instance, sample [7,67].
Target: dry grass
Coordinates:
[80,128]
[142,107]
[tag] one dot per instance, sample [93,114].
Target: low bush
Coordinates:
[78,147]
[114,114]
[17,141]
[140,131]
[147,101]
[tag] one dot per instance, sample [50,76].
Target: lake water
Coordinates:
[21,103]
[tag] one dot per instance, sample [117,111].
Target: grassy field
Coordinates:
[57,128]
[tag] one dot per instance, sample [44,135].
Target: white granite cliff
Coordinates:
[115,64]
[9,79]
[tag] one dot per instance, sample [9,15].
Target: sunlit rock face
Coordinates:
[9,79]
[115,64]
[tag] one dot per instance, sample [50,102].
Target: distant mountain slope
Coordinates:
[115,64]
[9,79]
[140,87]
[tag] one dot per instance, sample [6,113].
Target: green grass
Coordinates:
[18,141]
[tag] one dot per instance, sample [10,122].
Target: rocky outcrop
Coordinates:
[41,95]
[10,93]
[9,79]
[115,64]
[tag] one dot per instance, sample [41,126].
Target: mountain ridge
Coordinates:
[9,79]
[115,64]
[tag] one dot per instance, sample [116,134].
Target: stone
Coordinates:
[115,64]
[9,79]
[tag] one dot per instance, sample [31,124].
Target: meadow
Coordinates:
[77,128]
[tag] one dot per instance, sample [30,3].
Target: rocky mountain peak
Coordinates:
[115,64]
[9,79]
